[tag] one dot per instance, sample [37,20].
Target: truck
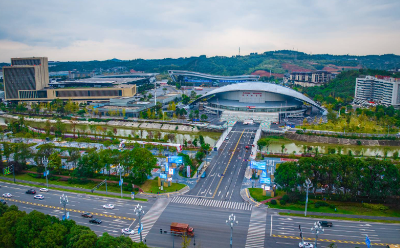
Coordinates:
[182,229]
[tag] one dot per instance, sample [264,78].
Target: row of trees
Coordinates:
[19,229]
[344,175]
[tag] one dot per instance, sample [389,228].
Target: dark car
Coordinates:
[2,201]
[326,223]
[87,215]
[96,221]
[31,191]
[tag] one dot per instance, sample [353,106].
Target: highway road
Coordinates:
[226,170]
[122,216]
[208,221]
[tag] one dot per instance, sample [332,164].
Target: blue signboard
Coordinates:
[164,176]
[175,159]
[258,165]
[265,180]
[367,242]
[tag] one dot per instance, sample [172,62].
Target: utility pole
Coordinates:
[231,222]
[13,171]
[64,202]
[307,184]
[120,169]
[139,213]
[301,236]
[317,229]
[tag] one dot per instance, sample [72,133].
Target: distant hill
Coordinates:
[278,62]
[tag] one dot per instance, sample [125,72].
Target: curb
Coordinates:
[165,195]
[244,193]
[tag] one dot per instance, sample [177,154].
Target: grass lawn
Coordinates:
[151,186]
[257,194]
[341,207]
[339,218]
[110,187]
[82,192]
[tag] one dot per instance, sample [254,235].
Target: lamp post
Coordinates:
[317,229]
[45,162]
[231,222]
[64,202]
[307,184]
[120,169]
[139,213]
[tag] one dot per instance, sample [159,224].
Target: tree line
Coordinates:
[351,178]
[35,229]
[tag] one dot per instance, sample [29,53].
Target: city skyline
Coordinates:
[100,30]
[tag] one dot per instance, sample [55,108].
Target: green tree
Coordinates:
[143,164]
[29,229]
[55,162]
[286,175]
[22,152]
[199,156]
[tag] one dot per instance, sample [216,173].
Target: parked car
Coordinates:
[326,223]
[7,195]
[127,231]
[40,197]
[87,215]
[108,206]
[2,201]
[44,190]
[226,138]
[95,221]
[31,191]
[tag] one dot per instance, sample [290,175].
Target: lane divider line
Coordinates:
[335,241]
[68,209]
[222,177]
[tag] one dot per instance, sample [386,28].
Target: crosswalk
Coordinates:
[212,203]
[256,233]
[150,218]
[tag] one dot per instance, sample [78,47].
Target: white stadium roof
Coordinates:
[266,87]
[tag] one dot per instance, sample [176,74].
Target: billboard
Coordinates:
[258,165]
[175,159]
[163,176]
[265,180]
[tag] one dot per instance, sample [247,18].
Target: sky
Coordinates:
[81,30]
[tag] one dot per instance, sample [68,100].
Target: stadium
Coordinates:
[261,102]
[199,79]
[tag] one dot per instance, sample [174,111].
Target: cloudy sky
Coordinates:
[102,29]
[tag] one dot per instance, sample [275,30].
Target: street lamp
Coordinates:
[307,184]
[139,213]
[64,202]
[231,222]
[45,162]
[120,169]
[317,229]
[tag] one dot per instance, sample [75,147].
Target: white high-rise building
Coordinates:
[378,89]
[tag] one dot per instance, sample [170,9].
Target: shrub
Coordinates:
[285,198]
[332,206]
[273,202]
[282,202]
[34,175]
[375,206]
[358,143]
[321,204]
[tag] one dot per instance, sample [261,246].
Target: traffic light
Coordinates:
[160,231]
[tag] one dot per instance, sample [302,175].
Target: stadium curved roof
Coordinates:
[267,87]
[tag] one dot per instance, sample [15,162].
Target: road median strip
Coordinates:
[335,241]
[70,210]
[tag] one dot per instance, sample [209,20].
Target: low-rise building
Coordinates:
[310,79]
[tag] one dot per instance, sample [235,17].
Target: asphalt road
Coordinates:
[209,222]
[122,216]
[226,170]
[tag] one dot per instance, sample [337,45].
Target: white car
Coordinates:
[108,206]
[40,197]
[127,231]
[43,189]
[7,195]
[306,245]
